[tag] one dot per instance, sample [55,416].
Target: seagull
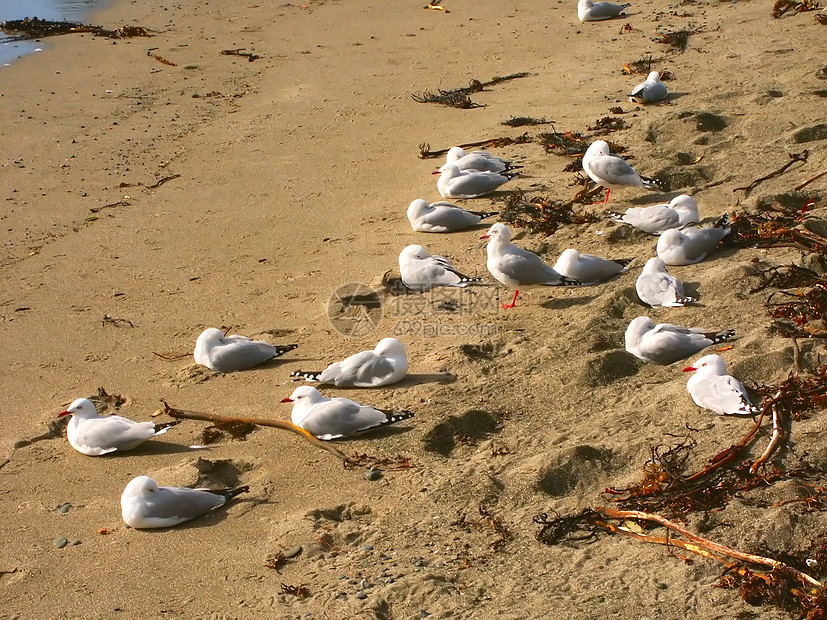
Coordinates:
[656,287]
[690,246]
[664,343]
[681,211]
[712,388]
[384,365]
[611,171]
[145,505]
[588,11]
[587,268]
[230,353]
[481,161]
[518,268]
[650,91]
[443,217]
[334,418]
[94,435]
[422,271]
[456,183]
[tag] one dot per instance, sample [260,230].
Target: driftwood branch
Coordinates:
[285,426]
[810,180]
[712,547]
[794,157]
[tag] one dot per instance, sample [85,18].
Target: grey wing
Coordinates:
[605,10]
[356,369]
[340,417]
[614,171]
[242,354]
[528,269]
[656,288]
[450,219]
[653,220]
[669,343]
[698,242]
[113,433]
[724,395]
[181,504]
[473,185]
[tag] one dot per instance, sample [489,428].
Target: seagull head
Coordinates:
[417,208]
[389,346]
[413,252]
[454,154]
[654,265]
[82,408]
[653,76]
[597,148]
[141,486]
[498,233]
[708,364]
[304,395]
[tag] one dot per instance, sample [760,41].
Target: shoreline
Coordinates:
[321,133]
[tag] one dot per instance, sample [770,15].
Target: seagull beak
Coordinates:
[436,172]
[689,369]
[63,413]
[287,399]
[485,237]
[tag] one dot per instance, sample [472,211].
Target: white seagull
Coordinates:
[145,505]
[334,418]
[588,11]
[456,183]
[650,91]
[422,271]
[610,171]
[664,343]
[679,212]
[518,268]
[690,246]
[481,161]
[588,268]
[442,217]
[712,388]
[384,365]
[95,435]
[230,353]
[656,287]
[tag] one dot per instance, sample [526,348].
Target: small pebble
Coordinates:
[365,584]
[361,596]
[64,508]
[367,547]
[292,552]
[372,475]
[74,542]
[423,613]
[60,542]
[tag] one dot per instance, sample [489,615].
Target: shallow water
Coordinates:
[68,10]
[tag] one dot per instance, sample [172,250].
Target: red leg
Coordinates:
[607,195]
[513,301]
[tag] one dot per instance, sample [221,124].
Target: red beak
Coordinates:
[689,369]
[485,237]
[436,172]
[63,413]
[287,399]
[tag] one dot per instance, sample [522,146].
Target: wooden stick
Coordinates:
[777,436]
[810,180]
[794,157]
[714,547]
[285,426]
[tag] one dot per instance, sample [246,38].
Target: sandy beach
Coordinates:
[154,187]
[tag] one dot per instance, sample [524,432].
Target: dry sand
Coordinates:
[295,173]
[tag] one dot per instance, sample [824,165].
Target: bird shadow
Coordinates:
[654,199]
[422,379]
[562,303]
[156,447]
[675,95]
[389,430]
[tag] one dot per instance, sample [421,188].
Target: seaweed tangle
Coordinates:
[458,97]
[34,28]
[541,215]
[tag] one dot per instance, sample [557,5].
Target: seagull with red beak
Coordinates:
[712,388]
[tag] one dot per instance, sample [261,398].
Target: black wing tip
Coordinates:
[564,281]
[686,300]
[721,336]
[237,491]
[615,215]
[484,214]
[306,374]
[281,349]
[161,426]
[623,261]
[396,415]
[722,222]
